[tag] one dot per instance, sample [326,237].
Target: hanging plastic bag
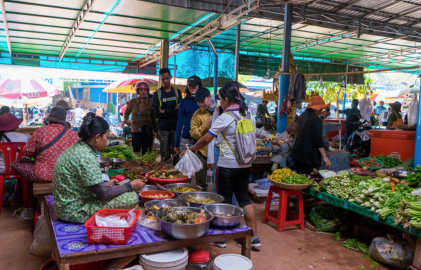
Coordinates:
[148,220]
[366,108]
[413,112]
[24,214]
[325,218]
[189,164]
[42,239]
[390,252]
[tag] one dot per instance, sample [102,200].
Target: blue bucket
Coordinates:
[263,183]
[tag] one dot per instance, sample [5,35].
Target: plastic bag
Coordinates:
[42,240]
[156,143]
[416,192]
[366,108]
[148,220]
[24,214]
[114,220]
[413,112]
[189,164]
[390,252]
[327,173]
[325,218]
[282,136]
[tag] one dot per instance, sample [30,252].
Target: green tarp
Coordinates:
[359,210]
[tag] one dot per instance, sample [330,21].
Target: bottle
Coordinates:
[209,176]
[199,260]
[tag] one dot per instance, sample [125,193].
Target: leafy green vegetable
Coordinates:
[126,152]
[415,178]
[337,236]
[391,161]
[296,179]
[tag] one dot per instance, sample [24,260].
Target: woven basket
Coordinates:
[290,186]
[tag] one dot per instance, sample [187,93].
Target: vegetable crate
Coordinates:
[110,235]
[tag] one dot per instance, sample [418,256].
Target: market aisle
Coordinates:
[16,239]
[293,249]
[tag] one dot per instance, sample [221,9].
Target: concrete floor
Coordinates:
[290,250]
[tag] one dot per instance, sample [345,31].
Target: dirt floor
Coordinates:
[292,249]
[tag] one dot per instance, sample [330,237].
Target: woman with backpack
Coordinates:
[234,164]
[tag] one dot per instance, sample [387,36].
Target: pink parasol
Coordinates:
[25,88]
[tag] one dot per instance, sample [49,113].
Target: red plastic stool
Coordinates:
[279,217]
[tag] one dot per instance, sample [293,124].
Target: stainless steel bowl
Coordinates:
[149,187]
[225,222]
[185,231]
[105,162]
[205,195]
[118,161]
[162,203]
[196,187]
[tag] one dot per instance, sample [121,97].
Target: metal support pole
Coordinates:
[215,73]
[346,84]
[284,79]
[175,65]
[237,53]
[417,152]
[163,62]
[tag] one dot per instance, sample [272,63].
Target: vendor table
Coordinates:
[338,202]
[71,244]
[386,142]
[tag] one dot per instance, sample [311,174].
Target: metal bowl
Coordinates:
[149,187]
[176,185]
[225,222]
[185,231]
[162,203]
[105,162]
[118,161]
[205,195]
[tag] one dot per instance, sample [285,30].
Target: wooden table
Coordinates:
[40,190]
[123,255]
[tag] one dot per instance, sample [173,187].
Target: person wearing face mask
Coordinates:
[200,124]
[78,187]
[143,123]
[188,106]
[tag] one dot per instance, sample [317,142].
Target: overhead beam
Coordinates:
[204,5]
[80,18]
[323,41]
[6,27]
[382,6]
[345,5]
[211,29]
[400,15]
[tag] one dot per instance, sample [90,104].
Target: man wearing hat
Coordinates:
[46,145]
[200,125]
[9,127]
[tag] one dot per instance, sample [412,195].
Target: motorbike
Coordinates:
[360,141]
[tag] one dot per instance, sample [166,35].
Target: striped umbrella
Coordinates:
[25,88]
[128,85]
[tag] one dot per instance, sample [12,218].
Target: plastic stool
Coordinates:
[283,210]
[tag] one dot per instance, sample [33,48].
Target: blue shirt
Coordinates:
[378,109]
[185,113]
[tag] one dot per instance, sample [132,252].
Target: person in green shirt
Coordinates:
[78,187]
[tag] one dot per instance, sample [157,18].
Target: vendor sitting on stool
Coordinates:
[395,118]
[309,146]
[78,187]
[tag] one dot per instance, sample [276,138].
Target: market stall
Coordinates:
[386,142]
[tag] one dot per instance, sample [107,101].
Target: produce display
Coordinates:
[170,174]
[182,189]
[391,161]
[126,152]
[199,200]
[183,216]
[415,178]
[371,163]
[287,176]
[132,175]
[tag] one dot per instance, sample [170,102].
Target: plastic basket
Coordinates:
[371,168]
[110,235]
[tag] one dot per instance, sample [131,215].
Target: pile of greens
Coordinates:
[126,152]
[391,161]
[409,214]
[341,186]
[296,179]
[415,178]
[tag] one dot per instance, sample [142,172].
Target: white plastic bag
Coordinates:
[189,164]
[366,108]
[148,220]
[413,112]
[42,240]
[115,221]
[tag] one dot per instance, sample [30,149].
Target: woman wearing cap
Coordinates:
[9,127]
[308,148]
[143,123]
[45,145]
[188,106]
[232,177]
[395,118]
[78,188]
